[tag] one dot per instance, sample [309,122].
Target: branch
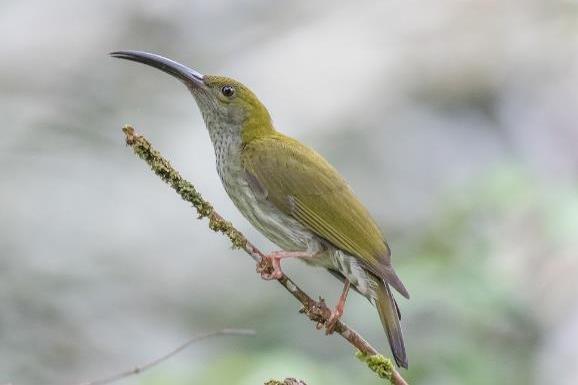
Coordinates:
[157,361]
[317,311]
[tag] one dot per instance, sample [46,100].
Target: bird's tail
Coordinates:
[390,317]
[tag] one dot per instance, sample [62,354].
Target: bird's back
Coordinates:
[303,185]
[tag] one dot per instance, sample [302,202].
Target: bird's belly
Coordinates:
[277,226]
[289,234]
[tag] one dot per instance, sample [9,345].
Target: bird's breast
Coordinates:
[277,226]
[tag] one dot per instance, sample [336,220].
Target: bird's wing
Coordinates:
[302,184]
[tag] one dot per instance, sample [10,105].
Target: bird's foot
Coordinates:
[338,311]
[332,321]
[270,265]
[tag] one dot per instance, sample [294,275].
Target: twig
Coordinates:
[317,311]
[155,362]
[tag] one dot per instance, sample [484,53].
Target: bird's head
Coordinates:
[228,107]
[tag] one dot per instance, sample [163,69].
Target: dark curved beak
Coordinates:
[187,75]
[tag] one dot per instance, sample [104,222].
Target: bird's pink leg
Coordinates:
[338,312]
[275,257]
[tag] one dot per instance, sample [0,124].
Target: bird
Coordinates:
[292,195]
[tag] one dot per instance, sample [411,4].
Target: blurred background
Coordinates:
[454,121]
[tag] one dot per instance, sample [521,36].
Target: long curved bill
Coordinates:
[187,75]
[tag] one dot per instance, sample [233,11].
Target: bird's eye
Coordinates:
[228,91]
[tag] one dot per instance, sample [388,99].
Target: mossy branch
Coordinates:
[317,311]
[287,381]
[381,366]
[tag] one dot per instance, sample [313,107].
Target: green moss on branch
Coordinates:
[380,365]
[184,188]
[287,381]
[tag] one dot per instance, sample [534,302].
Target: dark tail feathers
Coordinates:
[388,274]
[389,314]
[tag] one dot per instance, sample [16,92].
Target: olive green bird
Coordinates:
[291,194]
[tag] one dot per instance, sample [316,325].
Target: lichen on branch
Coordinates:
[184,188]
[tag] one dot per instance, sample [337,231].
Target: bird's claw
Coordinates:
[269,268]
[276,274]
